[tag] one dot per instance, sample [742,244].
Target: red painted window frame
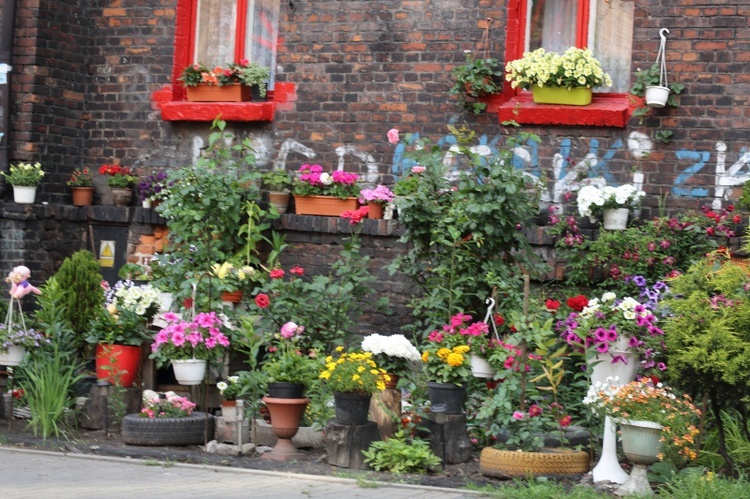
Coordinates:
[606,109]
[172,99]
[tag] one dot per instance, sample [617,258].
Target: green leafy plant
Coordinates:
[475,78]
[402,453]
[464,239]
[237,386]
[24,174]
[277,180]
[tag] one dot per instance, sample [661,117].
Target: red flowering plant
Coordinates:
[328,304]
[80,178]
[242,72]
[311,180]
[118,176]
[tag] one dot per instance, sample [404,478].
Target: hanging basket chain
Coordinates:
[9,316]
[485,42]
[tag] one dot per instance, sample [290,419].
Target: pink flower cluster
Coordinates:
[291,329]
[457,325]
[203,331]
[314,175]
[381,194]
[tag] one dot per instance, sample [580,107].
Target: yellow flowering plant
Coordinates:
[645,400]
[445,355]
[233,277]
[575,68]
[353,372]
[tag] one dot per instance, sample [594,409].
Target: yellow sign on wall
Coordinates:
[107,254]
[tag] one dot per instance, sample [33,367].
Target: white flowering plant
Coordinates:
[127,311]
[593,200]
[575,68]
[393,353]
[142,300]
[24,174]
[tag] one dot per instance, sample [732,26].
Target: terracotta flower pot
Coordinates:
[286,415]
[82,196]
[323,205]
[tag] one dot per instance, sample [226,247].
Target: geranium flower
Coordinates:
[262,300]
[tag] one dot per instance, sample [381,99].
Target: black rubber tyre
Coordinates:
[167,431]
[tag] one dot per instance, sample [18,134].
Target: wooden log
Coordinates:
[385,410]
[345,443]
[449,438]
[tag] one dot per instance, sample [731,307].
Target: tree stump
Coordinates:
[385,410]
[345,443]
[449,437]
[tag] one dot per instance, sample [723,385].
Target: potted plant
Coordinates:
[236,82]
[81,187]
[550,79]
[656,424]
[290,368]
[120,329]
[151,187]
[25,178]
[233,279]
[121,180]
[647,86]
[474,79]
[612,203]
[446,360]
[189,353]
[278,183]
[317,192]
[375,199]
[352,377]
[166,420]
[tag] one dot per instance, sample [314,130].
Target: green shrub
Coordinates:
[80,280]
[401,454]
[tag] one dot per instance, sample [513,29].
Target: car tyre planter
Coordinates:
[547,462]
[137,430]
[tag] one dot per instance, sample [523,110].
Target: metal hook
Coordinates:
[491,302]
[663,34]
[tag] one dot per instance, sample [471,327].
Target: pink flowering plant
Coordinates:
[198,338]
[380,194]
[608,326]
[286,360]
[311,180]
[173,406]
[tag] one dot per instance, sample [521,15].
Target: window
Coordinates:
[604,26]
[216,32]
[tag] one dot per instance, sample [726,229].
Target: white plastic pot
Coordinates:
[657,96]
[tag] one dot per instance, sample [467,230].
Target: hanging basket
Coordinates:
[657,96]
[189,371]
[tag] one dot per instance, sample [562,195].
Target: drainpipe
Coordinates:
[7,31]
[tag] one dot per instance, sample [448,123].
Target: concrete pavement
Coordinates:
[27,474]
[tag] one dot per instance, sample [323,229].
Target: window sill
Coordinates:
[610,110]
[280,98]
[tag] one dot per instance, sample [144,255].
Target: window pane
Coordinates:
[215,32]
[552,24]
[262,33]
[613,40]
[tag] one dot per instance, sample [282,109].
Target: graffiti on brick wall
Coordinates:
[566,174]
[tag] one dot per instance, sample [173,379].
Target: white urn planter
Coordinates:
[189,371]
[657,96]
[641,444]
[608,468]
[23,194]
[615,218]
